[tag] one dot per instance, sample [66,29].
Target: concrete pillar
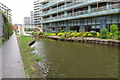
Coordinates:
[67,26]
[56,27]
[89,8]
[107,5]
[102,23]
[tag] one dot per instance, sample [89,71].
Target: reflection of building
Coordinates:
[79,16]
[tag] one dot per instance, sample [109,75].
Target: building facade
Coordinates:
[27,21]
[7,11]
[91,15]
[32,18]
[37,17]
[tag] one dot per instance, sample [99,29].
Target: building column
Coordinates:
[56,27]
[102,23]
[107,5]
[67,26]
[89,8]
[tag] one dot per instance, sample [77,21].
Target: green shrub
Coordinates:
[40,33]
[104,33]
[46,34]
[8,28]
[98,35]
[114,29]
[76,35]
[53,34]
[60,34]
[93,33]
[90,35]
[62,31]
[85,34]
[38,59]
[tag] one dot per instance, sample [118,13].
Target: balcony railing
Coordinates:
[98,9]
[62,7]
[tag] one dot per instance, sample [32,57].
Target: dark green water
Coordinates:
[77,60]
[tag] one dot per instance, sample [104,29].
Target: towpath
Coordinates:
[12,65]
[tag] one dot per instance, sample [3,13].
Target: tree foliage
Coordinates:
[7,28]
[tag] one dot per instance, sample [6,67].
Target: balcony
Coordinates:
[50,4]
[67,7]
[91,12]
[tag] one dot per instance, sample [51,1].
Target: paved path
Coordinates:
[0,63]
[12,65]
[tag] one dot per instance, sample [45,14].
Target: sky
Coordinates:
[20,9]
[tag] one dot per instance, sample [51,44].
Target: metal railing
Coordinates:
[104,8]
[62,7]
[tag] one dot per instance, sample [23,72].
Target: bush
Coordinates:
[114,29]
[98,35]
[76,34]
[85,34]
[8,28]
[93,33]
[53,34]
[40,33]
[62,31]
[104,33]
[90,35]
[46,34]
[60,34]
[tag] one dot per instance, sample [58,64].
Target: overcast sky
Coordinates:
[20,8]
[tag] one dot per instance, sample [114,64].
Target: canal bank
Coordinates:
[31,67]
[109,42]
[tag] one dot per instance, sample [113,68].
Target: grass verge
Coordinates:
[31,67]
[0,44]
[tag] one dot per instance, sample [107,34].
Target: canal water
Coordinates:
[77,60]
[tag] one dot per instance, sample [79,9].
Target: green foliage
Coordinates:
[40,33]
[76,35]
[104,33]
[72,31]
[33,48]
[8,28]
[85,34]
[38,59]
[60,34]
[53,34]
[90,35]
[113,34]
[114,29]
[46,34]
[98,35]
[62,31]
[94,33]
